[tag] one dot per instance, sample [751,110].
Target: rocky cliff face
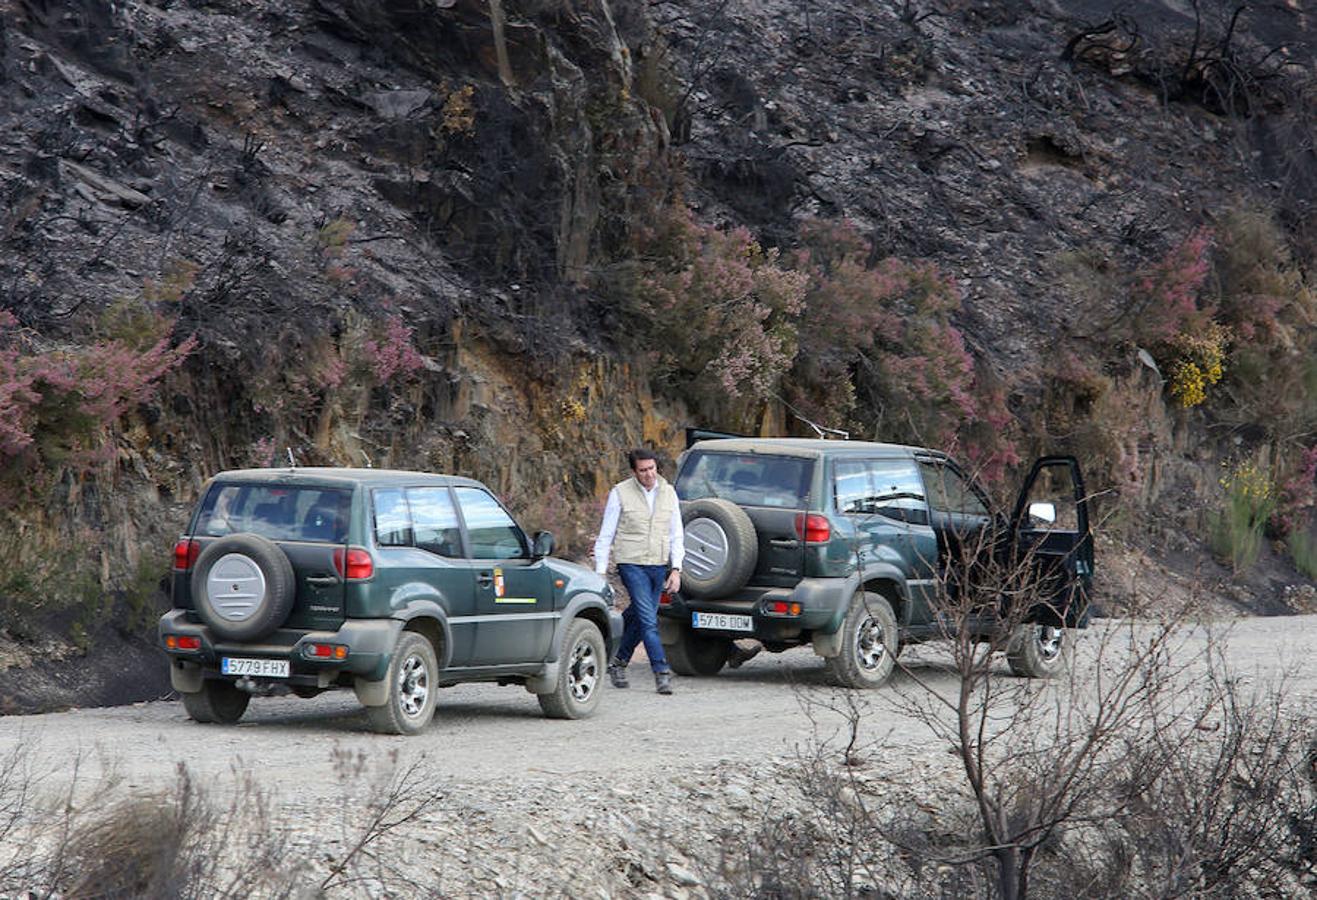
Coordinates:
[396,230]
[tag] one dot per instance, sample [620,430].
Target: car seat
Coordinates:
[321,522]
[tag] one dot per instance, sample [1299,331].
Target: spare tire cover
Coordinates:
[721,548]
[243,587]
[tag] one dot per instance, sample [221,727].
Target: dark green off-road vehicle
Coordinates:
[856,548]
[391,583]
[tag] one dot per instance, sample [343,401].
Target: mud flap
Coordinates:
[185,677]
[669,632]
[545,682]
[827,645]
[371,693]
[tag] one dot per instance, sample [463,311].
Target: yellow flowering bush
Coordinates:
[1237,527]
[1200,363]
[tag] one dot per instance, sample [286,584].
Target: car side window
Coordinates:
[949,492]
[434,521]
[898,492]
[491,531]
[885,487]
[393,519]
[852,486]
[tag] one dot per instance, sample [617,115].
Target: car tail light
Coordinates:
[353,564]
[665,598]
[815,529]
[325,651]
[186,552]
[182,642]
[782,608]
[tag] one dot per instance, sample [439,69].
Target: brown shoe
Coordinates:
[617,674]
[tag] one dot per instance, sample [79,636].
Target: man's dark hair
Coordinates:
[636,455]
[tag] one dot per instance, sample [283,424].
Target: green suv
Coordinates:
[853,548]
[391,583]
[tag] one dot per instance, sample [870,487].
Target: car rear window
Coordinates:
[749,479]
[278,512]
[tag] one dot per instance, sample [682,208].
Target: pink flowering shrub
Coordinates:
[1177,319]
[724,308]
[392,355]
[1168,297]
[1296,496]
[262,452]
[884,331]
[59,408]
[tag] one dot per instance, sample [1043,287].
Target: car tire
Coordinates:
[243,587]
[870,643]
[413,683]
[581,665]
[697,654]
[218,702]
[1037,651]
[721,548]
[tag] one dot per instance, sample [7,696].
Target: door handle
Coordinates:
[485,579]
[322,580]
[785,543]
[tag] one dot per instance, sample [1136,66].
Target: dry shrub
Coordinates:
[1147,768]
[1116,425]
[175,843]
[139,846]
[1272,369]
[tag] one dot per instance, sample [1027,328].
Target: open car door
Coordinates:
[1051,537]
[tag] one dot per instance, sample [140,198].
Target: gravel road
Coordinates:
[629,801]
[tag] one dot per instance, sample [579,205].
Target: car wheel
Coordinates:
[217,701]
[1037,651]
[870,643]
[721,548]
[698,654]
[581,667]
[243,587]
[413,682]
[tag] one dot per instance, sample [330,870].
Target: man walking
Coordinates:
[642,530]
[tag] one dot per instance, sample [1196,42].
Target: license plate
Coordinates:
[722,621]
[258,668]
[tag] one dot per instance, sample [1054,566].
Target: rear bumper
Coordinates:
[823,603]
[368,643]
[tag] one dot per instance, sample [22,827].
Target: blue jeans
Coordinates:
[640,618]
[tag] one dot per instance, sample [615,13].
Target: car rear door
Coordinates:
[514,593]
[773,490]
[308,523]
[1052,539]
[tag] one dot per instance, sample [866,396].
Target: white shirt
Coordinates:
[603,544]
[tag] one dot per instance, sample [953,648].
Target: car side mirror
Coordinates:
[542,544]
[1043,511]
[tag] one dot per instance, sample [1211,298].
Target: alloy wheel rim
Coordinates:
[413,686]
[1049,639]
[869,646]
[583,674]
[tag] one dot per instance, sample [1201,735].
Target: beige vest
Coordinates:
[642,538]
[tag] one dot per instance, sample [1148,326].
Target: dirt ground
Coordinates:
[631,801]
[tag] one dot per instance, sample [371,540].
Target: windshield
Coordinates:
[748,479]
[278,512]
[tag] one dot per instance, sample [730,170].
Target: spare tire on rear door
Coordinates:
[721,548]
[243,587]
